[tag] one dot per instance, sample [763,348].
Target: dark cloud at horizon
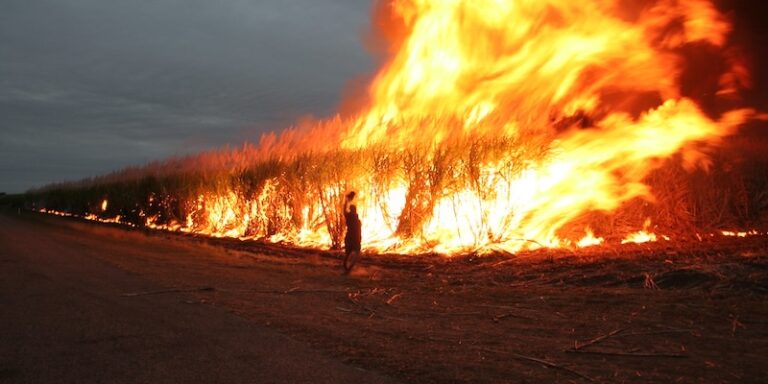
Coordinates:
[88,86]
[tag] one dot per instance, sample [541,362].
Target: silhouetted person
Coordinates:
[353,237]
[354,231]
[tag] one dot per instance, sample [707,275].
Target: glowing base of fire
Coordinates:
[311,240]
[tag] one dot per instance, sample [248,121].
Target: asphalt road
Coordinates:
[65,318]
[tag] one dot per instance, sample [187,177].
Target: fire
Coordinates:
[511,68]
[589,240]
[640,237]
[508,67]
[104,205]
[492,125]
[564,81]
[740,233]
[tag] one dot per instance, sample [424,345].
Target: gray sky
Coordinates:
[91,86]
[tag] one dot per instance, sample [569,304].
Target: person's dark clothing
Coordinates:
[353,237]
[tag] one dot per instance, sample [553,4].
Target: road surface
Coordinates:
[88,302]
[67,316]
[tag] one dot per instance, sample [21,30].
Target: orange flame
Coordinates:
[589,240]
[509,68]
[587,91]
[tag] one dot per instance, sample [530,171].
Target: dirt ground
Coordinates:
[655,313]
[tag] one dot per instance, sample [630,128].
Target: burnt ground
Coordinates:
[690,313]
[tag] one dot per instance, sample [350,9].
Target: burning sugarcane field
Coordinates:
[492,191]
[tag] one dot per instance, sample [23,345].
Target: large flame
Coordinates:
[502,66]
[579,73]
[576,102]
